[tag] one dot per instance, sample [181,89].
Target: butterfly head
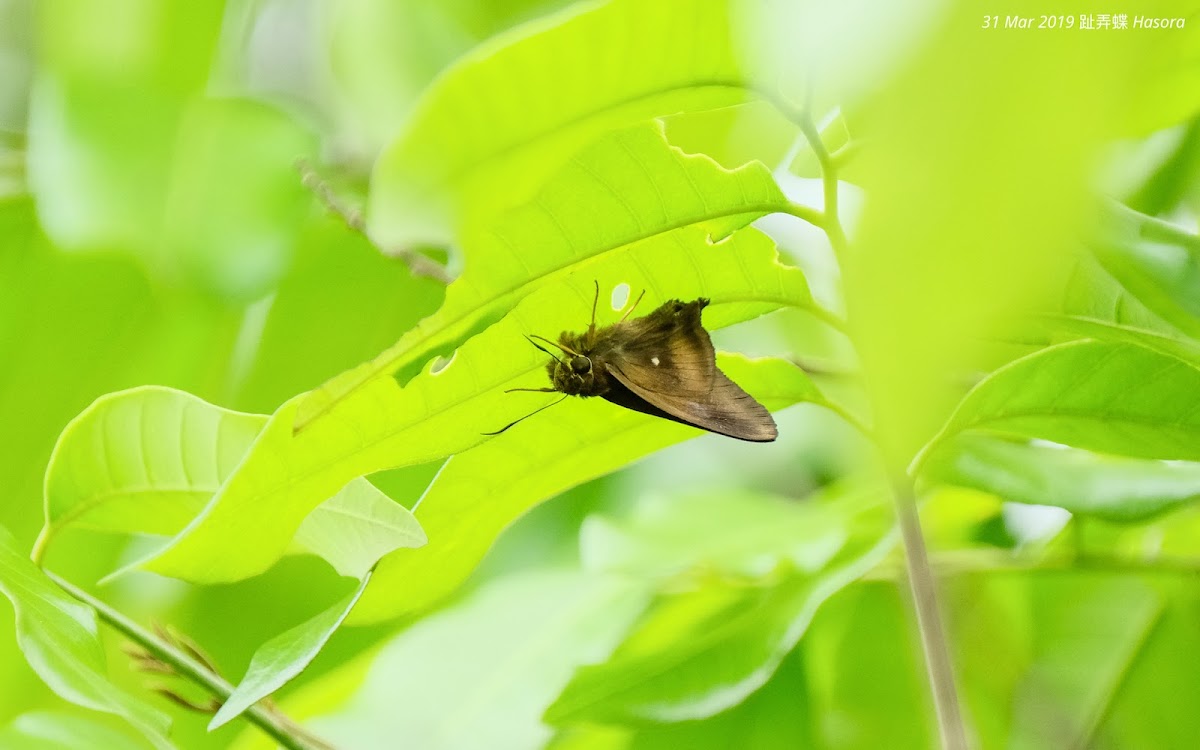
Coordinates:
[572,375]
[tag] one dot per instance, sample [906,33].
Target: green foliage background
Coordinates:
[960,263]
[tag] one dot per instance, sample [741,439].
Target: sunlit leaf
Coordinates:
[583,71]
[58,636]
[479,493]
[144,460]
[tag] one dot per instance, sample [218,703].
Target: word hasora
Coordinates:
[1085,21]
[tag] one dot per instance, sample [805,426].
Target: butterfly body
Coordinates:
[664,365]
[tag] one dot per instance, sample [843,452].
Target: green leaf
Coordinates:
[479,493]
[59,638]
[712,668]
[1158,263]
[1088,634]
[356,527]
[1118,489]
[731,532]
[1103,396]
[583,71]
[627,196]
[144,460]
[480,673]
[43,730]
[442,412]
[286,655]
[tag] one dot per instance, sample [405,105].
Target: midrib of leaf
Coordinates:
[96,500]
[414,345]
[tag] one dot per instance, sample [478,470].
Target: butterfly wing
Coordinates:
[667,360]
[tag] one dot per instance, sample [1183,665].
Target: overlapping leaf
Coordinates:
[588,69]
[59,638]
[479,493]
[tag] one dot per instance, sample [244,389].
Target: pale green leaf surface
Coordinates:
[436,414]
[356,527]
[1062,328]
[1103,396]
[620,196]
[59,731]
[1120,489]
[145,460]
[591,68]
[480,492]
[1088,633]
[712,670]
[480,673]
[731,532]
[58,636]
[286,655]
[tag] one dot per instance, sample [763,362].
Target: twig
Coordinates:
[279,727]
[929,619]
[417,263]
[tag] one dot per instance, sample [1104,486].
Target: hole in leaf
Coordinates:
[620,296]
[441,363]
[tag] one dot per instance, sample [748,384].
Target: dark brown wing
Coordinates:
[667,360]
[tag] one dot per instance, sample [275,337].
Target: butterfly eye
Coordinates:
[581,365]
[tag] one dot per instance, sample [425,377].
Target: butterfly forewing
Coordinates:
[667,360]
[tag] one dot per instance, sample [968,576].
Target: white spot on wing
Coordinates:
[654,361]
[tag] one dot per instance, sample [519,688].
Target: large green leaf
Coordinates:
[143,460]
[1082,482]
[480,673]
[438,413]
[1110,397]
[588,69]
[479,493]
[59,638]
[623,195]
[718,662]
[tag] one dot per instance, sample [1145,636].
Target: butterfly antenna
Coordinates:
[591,334]
[634,306]
[544,349]
[527,416]
[566,349]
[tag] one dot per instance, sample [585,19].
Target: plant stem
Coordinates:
[829,180]
[278,727]
[929,620]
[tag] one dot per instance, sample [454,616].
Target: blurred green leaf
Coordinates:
[59,731]
[1103,396]
[58,636]
[582,71]
[1164,275]
[480,492]
[1086,634]
[733,533]
[279,660]
[1109,487]
[481,673]
[356,527]
[713,669]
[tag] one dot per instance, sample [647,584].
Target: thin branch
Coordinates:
[929,619]
[279,727]
[829,181]
[417,263]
